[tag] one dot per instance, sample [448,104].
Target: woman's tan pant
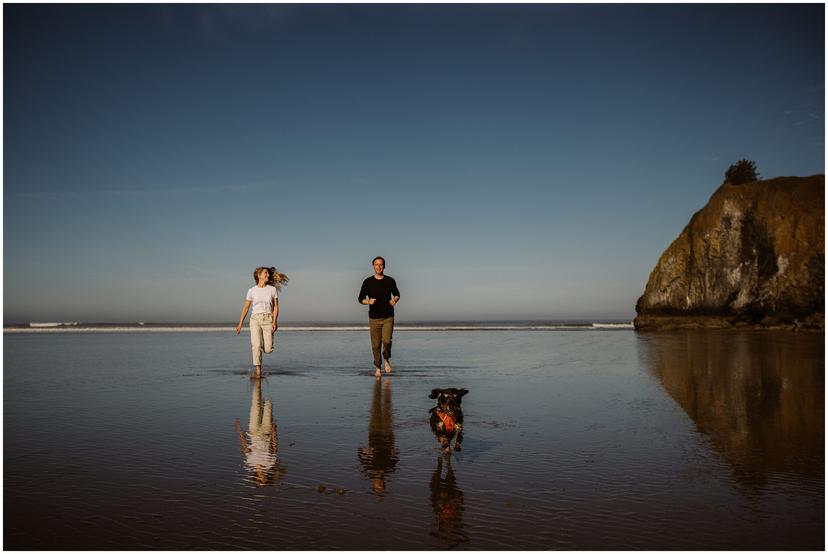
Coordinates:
[261,336]
[381,331]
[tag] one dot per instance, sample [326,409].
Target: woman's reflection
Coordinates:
[447,503]
[260,444]
[380,457]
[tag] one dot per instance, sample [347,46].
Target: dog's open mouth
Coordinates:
[447,419]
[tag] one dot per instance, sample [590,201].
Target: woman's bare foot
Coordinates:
[377,372]
[258,372]
[387,366]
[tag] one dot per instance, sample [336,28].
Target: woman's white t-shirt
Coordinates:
[262,298]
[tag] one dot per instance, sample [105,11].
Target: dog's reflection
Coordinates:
[380,457]
[447,503]
[260,445]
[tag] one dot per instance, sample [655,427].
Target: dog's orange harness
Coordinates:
[448,421]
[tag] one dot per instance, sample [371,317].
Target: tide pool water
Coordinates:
[574,439]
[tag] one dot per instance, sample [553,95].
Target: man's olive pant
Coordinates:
[381,330]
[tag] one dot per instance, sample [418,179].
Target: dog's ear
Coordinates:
[434,393]
[462,392]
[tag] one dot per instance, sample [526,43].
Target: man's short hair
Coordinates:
[378,258]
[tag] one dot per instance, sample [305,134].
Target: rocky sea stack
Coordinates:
[753,257]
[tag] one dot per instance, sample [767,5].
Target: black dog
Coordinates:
[447,416]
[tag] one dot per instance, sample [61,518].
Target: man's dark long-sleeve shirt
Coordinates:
[383,290]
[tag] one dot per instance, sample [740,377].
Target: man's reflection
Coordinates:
[380,457]
[758,396]
[260,444]
[447,503]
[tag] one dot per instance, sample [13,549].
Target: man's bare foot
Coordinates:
[258,372]
[387,366]
[377,372]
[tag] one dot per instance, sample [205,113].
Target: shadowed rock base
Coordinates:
[814,323]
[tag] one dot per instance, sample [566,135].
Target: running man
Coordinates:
[380,293]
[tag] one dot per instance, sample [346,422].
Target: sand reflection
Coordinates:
[260,445]
[447,503]
[758,396]
[380,457]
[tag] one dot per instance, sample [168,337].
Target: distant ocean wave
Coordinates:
[75,327]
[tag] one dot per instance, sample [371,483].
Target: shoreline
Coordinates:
[184,328]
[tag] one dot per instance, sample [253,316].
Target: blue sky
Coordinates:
[510,162]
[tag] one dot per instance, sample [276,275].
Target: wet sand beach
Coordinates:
[574,439]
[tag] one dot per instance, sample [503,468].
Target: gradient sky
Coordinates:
[510,162]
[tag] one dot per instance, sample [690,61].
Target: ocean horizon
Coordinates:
[425,325]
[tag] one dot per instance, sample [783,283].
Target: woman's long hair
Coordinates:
[276,278]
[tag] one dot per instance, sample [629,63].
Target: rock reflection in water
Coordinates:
[260,445]
[380,457]
[447,503]
[758,396]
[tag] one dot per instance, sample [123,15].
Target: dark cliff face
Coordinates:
[754,256]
